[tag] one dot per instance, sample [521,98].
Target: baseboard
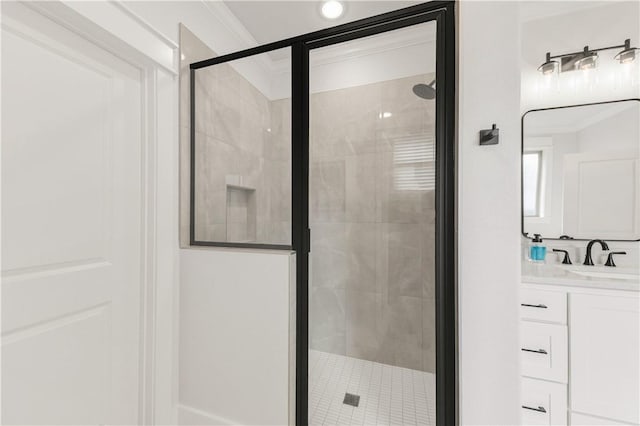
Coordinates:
[192,416]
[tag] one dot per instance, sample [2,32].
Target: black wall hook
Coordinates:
[490,136]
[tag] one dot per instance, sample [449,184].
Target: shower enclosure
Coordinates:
[372,220]
[342,150]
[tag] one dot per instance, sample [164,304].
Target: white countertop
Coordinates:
[563,275]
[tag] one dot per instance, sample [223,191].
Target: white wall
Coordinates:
[606,24]
[488,213]
[235,328]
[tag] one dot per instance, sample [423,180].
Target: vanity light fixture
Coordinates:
[332,9]
[628,54]
[585,59]
[549,66]
[588,61]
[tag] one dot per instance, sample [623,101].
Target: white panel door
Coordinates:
[71,226]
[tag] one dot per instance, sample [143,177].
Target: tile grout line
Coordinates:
[386,392]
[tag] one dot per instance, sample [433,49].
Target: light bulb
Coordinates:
[332,9]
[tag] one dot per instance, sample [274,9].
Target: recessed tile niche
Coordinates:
[241,214]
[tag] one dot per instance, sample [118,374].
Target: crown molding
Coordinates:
[360,48]
[244,40]
[391,40]
[231,22]
[119,26]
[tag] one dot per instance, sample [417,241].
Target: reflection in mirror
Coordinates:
[580,174]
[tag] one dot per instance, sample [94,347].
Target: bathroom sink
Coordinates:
[605,272]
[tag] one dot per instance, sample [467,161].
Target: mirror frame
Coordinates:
[524,234]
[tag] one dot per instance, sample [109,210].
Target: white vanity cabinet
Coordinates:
[605,356]
[580,354]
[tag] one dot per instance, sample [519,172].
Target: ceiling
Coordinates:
[533,10]
[269,21]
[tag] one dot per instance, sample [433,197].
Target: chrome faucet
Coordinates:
[587,258]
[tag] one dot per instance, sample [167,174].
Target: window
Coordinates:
[414,163]
[531,179]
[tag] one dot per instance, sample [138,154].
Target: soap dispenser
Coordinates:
[537,250]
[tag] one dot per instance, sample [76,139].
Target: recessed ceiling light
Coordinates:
[332,9]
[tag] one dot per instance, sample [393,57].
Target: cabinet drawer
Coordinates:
[544,351]
[540,305]
[543,403]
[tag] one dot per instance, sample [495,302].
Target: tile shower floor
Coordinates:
[388,395]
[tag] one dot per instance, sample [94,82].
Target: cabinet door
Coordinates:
[605,356]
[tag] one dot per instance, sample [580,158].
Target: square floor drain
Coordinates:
[351,399]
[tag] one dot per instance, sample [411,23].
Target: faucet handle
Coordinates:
[566,260]
[610,261]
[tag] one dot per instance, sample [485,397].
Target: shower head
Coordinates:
[425,91]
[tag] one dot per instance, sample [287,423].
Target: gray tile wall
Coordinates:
[372,256]
[242,139]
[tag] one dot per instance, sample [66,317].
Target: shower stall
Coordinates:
[338,145]
[372,221]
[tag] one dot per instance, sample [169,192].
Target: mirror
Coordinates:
[581,171]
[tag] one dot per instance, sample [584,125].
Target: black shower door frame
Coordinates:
[442,12]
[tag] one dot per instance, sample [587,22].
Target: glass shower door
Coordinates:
[372,214]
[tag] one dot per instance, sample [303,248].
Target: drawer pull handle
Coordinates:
[537,351]
[540,305]
[539,409]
